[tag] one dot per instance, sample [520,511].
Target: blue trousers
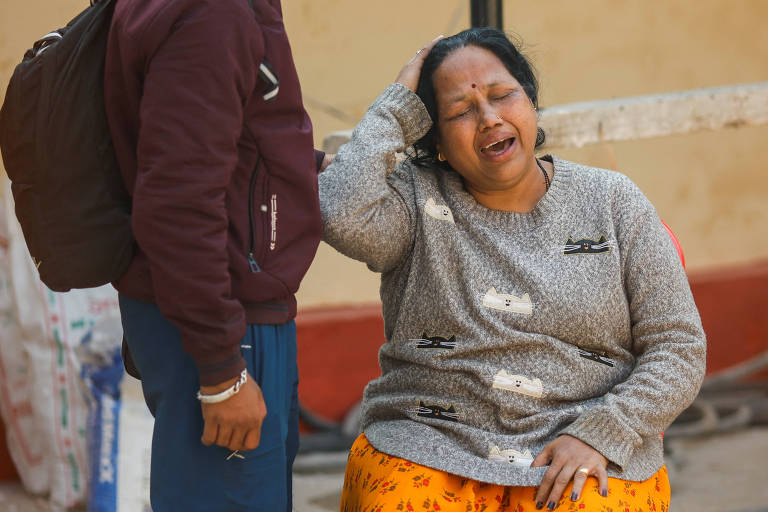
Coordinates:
[185,474]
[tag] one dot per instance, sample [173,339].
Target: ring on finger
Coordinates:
[583,470]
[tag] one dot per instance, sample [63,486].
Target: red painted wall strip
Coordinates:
[338,347]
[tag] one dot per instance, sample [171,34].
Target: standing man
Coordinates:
[215,147]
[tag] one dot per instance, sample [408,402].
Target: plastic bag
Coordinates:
[45,337]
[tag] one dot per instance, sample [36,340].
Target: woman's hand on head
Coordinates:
[568,459]
[409,75]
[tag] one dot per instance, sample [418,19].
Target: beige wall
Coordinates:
[712,188]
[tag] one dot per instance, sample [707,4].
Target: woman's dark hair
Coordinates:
[424,151]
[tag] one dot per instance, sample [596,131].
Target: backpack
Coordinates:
[69,194]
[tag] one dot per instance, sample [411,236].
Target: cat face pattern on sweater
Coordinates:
[510,456]
[438,211]
[436,342]
[587,246]
[508,302]
[518,384]
[436,412]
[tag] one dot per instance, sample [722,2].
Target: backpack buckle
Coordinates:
[45,42]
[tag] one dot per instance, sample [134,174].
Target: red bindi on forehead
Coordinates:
[474,85]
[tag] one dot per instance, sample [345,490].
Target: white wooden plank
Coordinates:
[642,117]
[659,115]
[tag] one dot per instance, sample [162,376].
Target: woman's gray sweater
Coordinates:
[505,330]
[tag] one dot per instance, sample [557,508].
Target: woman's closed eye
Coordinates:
[508,95]
[461,114]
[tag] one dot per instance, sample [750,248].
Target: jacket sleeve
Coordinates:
[668,341]
[191,115]
[364,205]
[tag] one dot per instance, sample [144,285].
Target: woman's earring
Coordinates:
[440,157]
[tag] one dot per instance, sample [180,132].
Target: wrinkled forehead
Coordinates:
[468,68]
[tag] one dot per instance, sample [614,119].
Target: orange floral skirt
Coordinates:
[377,482]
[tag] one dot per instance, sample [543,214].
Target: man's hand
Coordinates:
[327,160]
[568,459]
[409,75]
[234,423]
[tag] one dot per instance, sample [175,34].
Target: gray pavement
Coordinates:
[721,473]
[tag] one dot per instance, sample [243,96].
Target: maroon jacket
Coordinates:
[221,170]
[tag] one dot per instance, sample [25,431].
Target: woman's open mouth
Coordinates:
[498,148]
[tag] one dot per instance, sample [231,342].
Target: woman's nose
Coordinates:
[489,118]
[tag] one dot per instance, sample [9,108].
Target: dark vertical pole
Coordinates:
[486,13]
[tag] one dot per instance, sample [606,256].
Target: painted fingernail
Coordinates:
[604,493]
[574,496]
[551,505]
[539,505]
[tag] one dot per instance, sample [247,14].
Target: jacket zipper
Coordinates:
[251,221]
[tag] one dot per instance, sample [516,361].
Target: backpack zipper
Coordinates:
[251,221]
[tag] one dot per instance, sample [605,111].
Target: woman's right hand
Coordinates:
[409,75]
[569,459]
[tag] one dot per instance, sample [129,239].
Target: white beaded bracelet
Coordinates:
[220,397]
